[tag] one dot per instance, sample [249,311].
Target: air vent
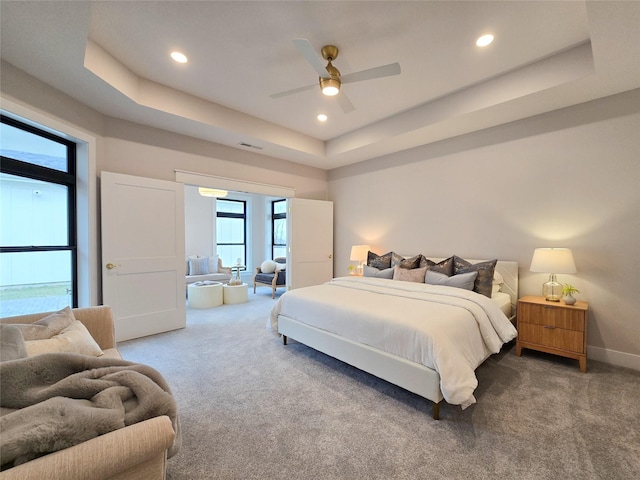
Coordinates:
[245,144]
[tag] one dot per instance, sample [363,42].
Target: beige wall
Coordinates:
[133,149]
[570,178]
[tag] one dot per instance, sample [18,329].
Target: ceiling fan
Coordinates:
[330,78]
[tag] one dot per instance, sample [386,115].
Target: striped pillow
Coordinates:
[199,266]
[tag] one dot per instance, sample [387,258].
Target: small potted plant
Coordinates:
[352,269]
[567,293]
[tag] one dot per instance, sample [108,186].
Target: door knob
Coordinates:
[330,256]
[110,266]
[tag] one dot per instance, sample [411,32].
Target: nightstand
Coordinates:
[553,327]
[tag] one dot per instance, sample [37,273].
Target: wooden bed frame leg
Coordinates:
[284,339]
[436,411]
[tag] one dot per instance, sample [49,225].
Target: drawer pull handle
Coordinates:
[549,326]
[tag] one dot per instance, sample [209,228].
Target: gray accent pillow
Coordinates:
[484,280]
[444,266]
[374,272]
[464,280]
[379,261]
[11,343]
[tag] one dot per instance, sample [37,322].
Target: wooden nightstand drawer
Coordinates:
[561,338]
[553,328]
[552,316]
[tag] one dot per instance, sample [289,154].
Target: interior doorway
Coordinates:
[310,260]
[255,229]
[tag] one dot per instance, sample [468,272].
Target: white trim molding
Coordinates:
[86,203]
[212,181]
[620,359]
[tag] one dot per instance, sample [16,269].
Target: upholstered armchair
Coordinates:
[271,278]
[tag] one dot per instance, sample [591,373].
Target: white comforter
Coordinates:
[448,329]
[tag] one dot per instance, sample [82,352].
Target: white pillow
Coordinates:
[73,339]
[497,278]
[48,326]
[213,264]
[198,266]
[280,266]
[495,289]
[268,266]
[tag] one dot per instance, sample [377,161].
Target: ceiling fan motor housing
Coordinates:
[329,52]
[330,86]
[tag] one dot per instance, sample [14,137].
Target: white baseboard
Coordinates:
[621,359]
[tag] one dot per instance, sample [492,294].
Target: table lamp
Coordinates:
[552,261]
[359,254]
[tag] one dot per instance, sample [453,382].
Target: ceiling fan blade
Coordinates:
[295,90]
[345,103]
[311,56]
[370,74]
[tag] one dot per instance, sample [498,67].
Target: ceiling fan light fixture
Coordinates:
[330,86]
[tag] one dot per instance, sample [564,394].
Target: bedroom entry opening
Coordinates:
[228,234]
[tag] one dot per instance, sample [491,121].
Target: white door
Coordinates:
[143,265]
[309,242]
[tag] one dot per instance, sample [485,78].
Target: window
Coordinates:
[38,241]
[279,228]
[231,231]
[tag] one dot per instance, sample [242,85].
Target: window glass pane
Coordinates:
[230,230]
[230,255]
[279,252]
[228,206]
[33,212]
[35,282]
[280,207]
[280,231]
[28,147]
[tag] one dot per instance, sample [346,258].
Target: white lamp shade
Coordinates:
[359,253]
[552,260]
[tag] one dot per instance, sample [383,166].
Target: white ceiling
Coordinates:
[114,57]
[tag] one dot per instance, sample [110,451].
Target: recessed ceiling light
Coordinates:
[322,117]
[179,57]
[484,40]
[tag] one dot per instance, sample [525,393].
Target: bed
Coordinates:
[356,320]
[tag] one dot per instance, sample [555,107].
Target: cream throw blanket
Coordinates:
[56,400]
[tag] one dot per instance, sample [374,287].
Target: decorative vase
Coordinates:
[569,299]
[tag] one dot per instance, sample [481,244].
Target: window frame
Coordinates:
[242,216]
[68,179]
[274,217]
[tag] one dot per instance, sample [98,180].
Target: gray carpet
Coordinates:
[252,408]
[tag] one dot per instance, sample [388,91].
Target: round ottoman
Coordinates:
[236,293]
[205,296]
